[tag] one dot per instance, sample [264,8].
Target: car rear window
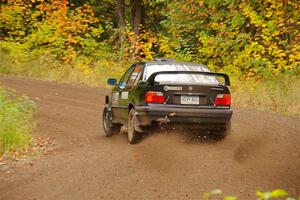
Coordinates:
[180,78]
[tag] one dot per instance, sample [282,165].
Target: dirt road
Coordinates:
[263,152]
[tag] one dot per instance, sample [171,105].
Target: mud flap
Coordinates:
[137,124]
[228,128]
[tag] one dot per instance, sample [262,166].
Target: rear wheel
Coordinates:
[109,127]
[133,135]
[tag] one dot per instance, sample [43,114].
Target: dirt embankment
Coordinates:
[262,153]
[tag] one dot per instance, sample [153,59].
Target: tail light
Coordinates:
[223,100]
[154,97]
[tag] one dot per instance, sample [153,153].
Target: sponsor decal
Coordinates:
[217,89]
[176,88]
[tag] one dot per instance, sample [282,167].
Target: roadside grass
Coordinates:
[280,94]
[82,70]
[67,73]
[16,121]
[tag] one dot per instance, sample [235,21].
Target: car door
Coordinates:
[127,93]
[117,105]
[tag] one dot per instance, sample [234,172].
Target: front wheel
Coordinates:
[133,135]
[109,127]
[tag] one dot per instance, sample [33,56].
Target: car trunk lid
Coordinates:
[196,92]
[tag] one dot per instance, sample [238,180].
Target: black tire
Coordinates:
[109,127]
[133,135]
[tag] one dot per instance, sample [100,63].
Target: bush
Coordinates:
[16,121]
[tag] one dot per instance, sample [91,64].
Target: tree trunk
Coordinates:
[121,14]
[121,24]
[136,15]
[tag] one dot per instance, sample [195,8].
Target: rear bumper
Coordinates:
[146,115]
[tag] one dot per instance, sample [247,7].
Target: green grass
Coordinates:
[16,121]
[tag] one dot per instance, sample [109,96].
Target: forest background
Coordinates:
[86,41]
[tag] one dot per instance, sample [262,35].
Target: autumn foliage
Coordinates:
[247,38]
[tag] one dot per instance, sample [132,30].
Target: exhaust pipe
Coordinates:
[163,122]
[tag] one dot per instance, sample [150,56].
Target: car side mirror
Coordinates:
[112,81]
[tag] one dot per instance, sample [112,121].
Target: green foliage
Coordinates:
[275,194]
[247,38]
[59,41]
[15,121]
[211,193]
[52,28]
[244,38]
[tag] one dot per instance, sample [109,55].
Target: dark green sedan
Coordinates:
[165,93]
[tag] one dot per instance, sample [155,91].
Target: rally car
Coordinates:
[165,92]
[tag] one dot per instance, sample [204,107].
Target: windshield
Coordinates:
[180,78]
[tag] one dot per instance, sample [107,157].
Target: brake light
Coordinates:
[223,100]
[154,97]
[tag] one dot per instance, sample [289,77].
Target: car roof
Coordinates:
[171,62]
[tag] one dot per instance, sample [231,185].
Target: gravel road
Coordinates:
[262,153]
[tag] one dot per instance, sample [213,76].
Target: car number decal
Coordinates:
[115,97]
[124,95]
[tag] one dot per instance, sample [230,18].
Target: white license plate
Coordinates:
[194,100]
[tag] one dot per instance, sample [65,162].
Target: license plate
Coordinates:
[194,100]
